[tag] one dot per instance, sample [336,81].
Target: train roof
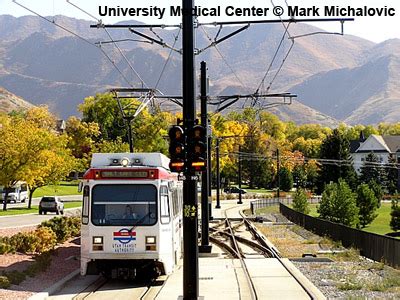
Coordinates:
[100,160]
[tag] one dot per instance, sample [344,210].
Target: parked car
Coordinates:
[51,204]
[234,190]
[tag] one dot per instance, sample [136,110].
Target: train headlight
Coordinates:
[97,240]
[151,243]
[97,243]
[125,162]
[150,240]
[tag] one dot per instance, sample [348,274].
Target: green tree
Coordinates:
[367,204]
[371,169]
[377,189]
[395,215]
[392,175]
[300,175]
[300,202]
[338,163]
[338,204]
[82,140]
[285,180]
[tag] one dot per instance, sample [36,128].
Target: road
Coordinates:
[35,219]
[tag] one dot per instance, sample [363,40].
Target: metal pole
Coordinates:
[240,177]
[190,218]
[205,241]
[278,169]
[130,135]
[218,175]
[209,144]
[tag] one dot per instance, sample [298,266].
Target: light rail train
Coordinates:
[131,216]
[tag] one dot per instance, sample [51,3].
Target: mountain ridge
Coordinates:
[42,63]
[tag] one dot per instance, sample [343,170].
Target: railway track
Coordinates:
[241,240]
[103,288]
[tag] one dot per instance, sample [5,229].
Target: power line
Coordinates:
[112,40]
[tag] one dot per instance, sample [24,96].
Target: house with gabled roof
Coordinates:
[383,146]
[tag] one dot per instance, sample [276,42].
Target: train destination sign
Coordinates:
[124,174]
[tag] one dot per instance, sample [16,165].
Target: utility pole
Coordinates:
[129,122]
[278,170]
[240,176]
[218,175]
[190,205]
[209,144]
[205,240]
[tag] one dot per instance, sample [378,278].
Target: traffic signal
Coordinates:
[177,149]
[197,148]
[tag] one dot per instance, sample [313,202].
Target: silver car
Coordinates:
[51,204]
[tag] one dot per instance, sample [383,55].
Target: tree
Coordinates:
[395,214]
[377,189]
[336,150]
[300,175]
[285,180]
[392,175]
[367,204]
[22,145]
[338,204]
[371,170]
[300,202]
[82,140]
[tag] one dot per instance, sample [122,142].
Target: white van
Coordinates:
[17,193]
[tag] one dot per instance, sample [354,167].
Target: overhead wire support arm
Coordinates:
[153,40]
[135,26]
[216,42]
[291,20]
[236,98]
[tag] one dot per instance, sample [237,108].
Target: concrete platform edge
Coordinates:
[311,288]
[55,287]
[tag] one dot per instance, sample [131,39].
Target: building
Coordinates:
[383,146]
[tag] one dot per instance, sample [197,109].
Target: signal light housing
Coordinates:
[197,148]
[177,149]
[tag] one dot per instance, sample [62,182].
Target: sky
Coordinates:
[376,29]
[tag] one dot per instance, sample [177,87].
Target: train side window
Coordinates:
[164,203]
[85,205]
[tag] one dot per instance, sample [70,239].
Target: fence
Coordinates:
[374,246]
[261,203]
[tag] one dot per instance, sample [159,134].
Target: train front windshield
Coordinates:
[124,205]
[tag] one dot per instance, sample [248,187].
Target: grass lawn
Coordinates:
[63,189]
[34,209]
[381,223]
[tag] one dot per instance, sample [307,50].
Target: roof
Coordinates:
[144,159]
[393,142]
[354,145]
[390,143]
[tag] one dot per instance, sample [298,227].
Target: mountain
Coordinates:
[10,102]
[336,78]
[365,94]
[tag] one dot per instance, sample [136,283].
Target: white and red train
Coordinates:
[131,215]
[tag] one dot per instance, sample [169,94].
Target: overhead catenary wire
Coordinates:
[112,40]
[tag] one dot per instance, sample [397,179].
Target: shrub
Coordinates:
[5,246]
[63,227]
[300,202]
[4,282]
[47,239]
[15,277]
[24,242]
[42,262]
